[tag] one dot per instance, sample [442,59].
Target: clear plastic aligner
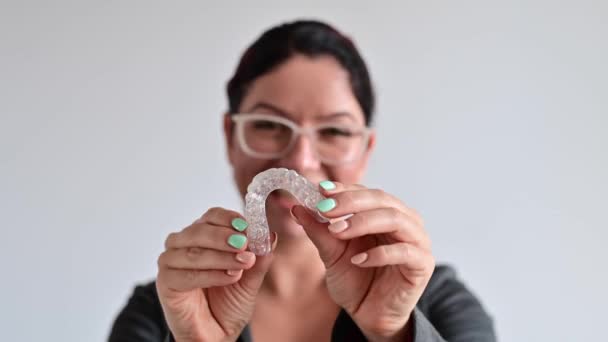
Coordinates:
[261,186]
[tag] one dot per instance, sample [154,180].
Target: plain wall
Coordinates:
[492,122]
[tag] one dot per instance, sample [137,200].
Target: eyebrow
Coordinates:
[285,114]
[273,108]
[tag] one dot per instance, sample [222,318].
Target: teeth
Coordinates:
[255,202]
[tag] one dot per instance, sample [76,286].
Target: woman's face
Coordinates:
[307,91]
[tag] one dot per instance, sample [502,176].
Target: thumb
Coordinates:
[330,249]
[252,279]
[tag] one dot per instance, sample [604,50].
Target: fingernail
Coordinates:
[327,185]
[326,205]
[337,227]
[239,224]
[237,240]
[233,272]
[359,258]
[244,257]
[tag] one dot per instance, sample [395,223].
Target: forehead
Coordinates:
[306,89]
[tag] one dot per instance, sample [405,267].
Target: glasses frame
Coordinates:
[241,118]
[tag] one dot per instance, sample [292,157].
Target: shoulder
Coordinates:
[147,292]
[445,286]
[144,297]
[141,318]
[452,308]
[443,275]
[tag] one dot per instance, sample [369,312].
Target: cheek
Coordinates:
[347,174]
[245,168]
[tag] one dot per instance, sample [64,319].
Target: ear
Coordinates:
[371,144]
[229,136]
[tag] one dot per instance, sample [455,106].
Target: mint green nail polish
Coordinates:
[237,240]
[326,205]
[239,224]
[327,185]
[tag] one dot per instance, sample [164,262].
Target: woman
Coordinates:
[301,98]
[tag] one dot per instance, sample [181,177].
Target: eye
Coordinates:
[265,125]
[336,132]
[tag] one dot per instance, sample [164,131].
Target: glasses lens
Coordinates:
[340,143]
[267,136]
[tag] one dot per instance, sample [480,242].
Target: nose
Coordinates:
[302,156]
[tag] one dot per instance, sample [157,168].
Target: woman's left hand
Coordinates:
[378,261]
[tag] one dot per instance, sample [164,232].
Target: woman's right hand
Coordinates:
[207,282]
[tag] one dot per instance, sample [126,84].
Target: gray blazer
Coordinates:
[447,311]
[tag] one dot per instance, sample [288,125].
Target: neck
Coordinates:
[296,270]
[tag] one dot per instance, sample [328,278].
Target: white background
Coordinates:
[492,122]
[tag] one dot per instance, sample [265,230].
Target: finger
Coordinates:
[330,249]
[350,202]
[328,187]
[391,221]
[188,279]
[205,259]
[185,280]
[412,260]
[223,217]
[206,236]
[331,188]
[252,278]
[226,218]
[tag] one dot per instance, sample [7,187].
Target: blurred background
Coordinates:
[492,121]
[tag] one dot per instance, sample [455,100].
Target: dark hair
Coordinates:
[311,38]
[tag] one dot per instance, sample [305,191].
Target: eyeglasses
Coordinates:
[268,136]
